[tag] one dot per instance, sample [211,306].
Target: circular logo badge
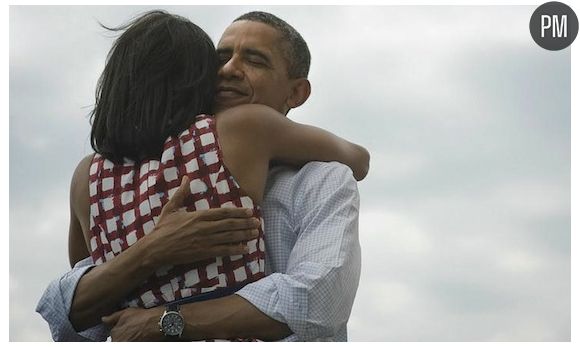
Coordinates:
[554,26]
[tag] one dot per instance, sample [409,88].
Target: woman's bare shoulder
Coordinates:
[82,169]
[79,189]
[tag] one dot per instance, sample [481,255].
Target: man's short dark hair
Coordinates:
[296,52]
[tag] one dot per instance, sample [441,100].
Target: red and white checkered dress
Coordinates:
[126,201]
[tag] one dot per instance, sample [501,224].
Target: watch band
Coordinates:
[172,306]
[172,338]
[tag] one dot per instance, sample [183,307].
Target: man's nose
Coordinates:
[231,70]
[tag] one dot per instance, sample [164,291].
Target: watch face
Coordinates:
[172,324]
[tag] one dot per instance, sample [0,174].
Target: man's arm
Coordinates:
[55,303]
[313,297]
[223,318]
[315,291]
[179,237]
[86,293]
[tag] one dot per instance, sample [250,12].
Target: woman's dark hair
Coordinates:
[160,73]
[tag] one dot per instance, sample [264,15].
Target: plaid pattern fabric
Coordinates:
[126,201]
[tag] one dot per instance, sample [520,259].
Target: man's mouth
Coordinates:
[229,92]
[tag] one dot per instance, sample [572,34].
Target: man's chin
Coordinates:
[221,105]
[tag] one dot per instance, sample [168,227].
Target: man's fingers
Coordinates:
[176,201]
[230,224]
[235,236]
[111,320]
[232,249]
[215,214]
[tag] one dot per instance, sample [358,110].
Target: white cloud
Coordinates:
[392,235]
[534,198]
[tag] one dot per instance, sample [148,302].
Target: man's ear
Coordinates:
[299,93]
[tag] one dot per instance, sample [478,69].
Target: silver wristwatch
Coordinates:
[171,323]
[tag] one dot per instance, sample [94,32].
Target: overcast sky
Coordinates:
[465,215]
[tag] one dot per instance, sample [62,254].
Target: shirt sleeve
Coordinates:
[315,294]
[55,304]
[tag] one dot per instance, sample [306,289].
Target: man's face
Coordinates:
[252,67]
